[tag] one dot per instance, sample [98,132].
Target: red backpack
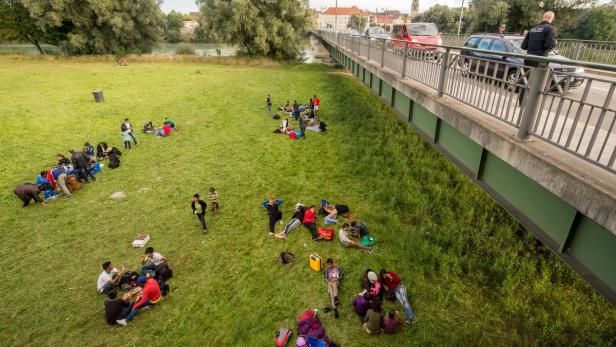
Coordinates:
[282,337]
[326,234]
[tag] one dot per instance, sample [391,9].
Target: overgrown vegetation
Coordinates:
[475,276]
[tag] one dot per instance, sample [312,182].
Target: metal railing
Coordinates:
[585,50]
[551,100]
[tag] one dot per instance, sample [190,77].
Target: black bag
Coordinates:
[114,161]
[286,258]
[116,151]
[276,116]
[342,209]
[129,277]
[164,272]
[164,287]
[323,126]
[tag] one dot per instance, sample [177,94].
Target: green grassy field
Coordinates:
[475,276]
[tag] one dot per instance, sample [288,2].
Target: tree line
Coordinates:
[576,19]
[120,27]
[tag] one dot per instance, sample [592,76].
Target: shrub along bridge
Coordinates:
[544,151]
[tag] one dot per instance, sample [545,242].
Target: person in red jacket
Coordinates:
[149,296]
[317,103]
[310,218]
[392,283]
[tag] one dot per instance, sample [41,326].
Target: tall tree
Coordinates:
[444,17]
[100,27]
[174,21]
[357,22]
[487,15]
[598,23]
[272,28]
[16,24]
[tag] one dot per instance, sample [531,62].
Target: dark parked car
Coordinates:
[510,43]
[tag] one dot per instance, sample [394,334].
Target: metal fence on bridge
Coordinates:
[603,52]
[554,101]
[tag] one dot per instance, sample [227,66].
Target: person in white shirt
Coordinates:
[346,241]
[151,260]
[109,278]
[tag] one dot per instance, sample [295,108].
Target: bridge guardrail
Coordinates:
[552,101]
[586,50]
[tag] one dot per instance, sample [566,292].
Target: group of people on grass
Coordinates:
[307,216]
[142,289]
[67,174]
[162,131]
[305,115]
[368,303]
[199,207]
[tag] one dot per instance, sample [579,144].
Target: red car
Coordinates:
[416,33]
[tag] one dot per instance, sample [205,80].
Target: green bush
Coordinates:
[185,49]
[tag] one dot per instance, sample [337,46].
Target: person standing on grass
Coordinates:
[333,275]
[295,110]
[59,175]
[273,211]
[27,192]
[199,207]
[302,125]
[126,139]
[126,126]
[269,104]
[392,283]
[109,278]
[316,102]
[310,218]
[214,199]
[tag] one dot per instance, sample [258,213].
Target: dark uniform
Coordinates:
[27,192]
[539,41]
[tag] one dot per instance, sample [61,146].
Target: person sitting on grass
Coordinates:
[375,291]
[102,150]
[109,278]
[62,160]
[170,123]
[214,200]
[333,275]
[116,309]
[332,214]
[309,221]
[164,131]
[150,260]
[148,128]
[273,211]
[27,192]
[373,320]
[346,241]
[392,283]
[296,220]
[43,182]
[392,323]
[287,109]
[359,229]
[150,295]
[88,150]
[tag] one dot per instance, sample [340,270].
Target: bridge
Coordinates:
[541,141]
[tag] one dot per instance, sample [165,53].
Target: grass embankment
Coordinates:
[476,277]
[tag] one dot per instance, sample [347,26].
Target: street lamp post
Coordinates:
[336,17]
[461,14]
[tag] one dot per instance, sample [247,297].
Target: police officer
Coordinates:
[539,41]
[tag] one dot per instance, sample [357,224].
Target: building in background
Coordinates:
[188,29]
[386,18]
[327,18]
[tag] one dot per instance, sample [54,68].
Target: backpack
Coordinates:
[276,116]
[282,337]
[367,241]
[326,234]
[323,126]
[286,258]
[164,272]
[342,209]
[164,287]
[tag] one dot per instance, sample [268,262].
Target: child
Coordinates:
[214,199]
[126,139]
[88,150]
[269,104]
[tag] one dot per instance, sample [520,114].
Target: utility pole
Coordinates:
[336,17]
[461,14]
